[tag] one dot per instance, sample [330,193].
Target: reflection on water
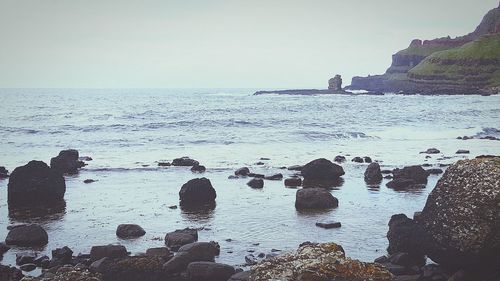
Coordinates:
[201,214]
[55,211]
[328,184]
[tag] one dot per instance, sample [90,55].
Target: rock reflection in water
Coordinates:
[55,211]
[200,214]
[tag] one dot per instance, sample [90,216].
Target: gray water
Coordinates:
[127,132]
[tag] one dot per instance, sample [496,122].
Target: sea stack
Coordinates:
[335,83]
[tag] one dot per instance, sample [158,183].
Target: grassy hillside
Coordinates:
[476,63]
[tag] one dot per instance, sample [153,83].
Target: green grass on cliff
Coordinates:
[422,50]
[477,62]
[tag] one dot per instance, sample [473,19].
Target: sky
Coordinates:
[215,43]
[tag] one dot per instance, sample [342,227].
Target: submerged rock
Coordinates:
[357,159]
[328,225]
[256,183]
[461,215]
[373,174]
[326,261]
[31,235]
[274,177]
[180,237]
[462,151]
[321,169]
[196,193]
[67,162]
[35,184]
[401,184]
[129,231]
[315,198]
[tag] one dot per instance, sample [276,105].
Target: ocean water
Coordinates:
[127,132]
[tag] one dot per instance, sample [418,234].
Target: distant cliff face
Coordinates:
[396,77]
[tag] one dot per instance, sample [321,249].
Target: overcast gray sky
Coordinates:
[219,43]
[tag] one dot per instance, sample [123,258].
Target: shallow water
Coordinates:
[127,131]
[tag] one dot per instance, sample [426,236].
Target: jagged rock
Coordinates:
[27,236]
[244,171]
[185,161]
[196,193]
[209,271]
[373,174]
[35,184]
[321,169]
[129,231]
[66,162]
[461,215]
[256,183]
[107,251]
[335,83]
[198,251]
[3,249]
[293,182]
[325,261]
[315,198]
[180,237]
[416,173]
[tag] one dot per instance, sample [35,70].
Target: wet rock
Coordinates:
[461,215]
[66,162]
[35,184]
[3,249]
[295,168]
[24,258]
[209,271]
[315,198]
[107,251]
[197,192]
[254,175]
[185,161]
[256,183]
[260,163]
[373,174]
[251,260]
[293,182]
[434,171]
[161,252]
[129,231]
[4,173]
[431,151]
[198,169]
[198,251]
[274,177]
[326,261]
[386,171]
[175,240]
[357,159]
[402,184]
[28,267]
[367,159]
[31,235]
[243,172]
[416,173]
[88,181]
[10,273]
[164,164]
[240,276]
[462,151]
[406,260]
[388,177]
[42,261]
[141,268]
[405,236]
[339,159]
[433,272]
[321,169]
[415,277]
[85,158]
[328,225]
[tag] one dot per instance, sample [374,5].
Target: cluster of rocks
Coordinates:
[257,180]
[67,162]
[481,138]
[458,227]
[185,161]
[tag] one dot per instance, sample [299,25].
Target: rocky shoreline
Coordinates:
[457,228]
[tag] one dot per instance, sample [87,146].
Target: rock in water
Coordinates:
[4,173]
[194,252]
[462,214]
[326,261]
[176,239]
[315,198]
[404,235]
[67,162]
[197,193]
[335,83]
[35,184]
[416,173]
[107,251]
[209,271]
[31,235]
[373,174]
[256,183]
[129,231]
[185,161]
[322,169]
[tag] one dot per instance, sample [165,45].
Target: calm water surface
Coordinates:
[127,132]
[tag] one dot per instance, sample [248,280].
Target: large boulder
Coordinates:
[315,198]
[373,174]
[31,235]
[462,214]
[326,261]
[143,268]
[67,162]
[194,252]
[321,170]
[176,239]
[107,251]
[209,271]
[405,236]
[129,231]
[416,173]
[35,184]
[197,192]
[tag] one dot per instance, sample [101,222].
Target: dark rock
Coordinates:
[404,235]
[198,251]
[461,216]
[388,177]
[415,277]
[240,276]
[85,158]
[253,175]
[462,151]
[198,169]
[321,169]
[402,183]
[209,271]
[357,159]
[66,162]
[28,267]
[406,260]
[293,182]
[244,171]
[373,174]
[295,168]
[367,159]
[435,171]
[161,252]
[431,151]
[339,159]
[88,181]
[274,177]
[41,261]
[3,248]
[107,251]
[265,158]
[10,273]
[197,192]
[129,231]
[25,258]
[27,236]
[315,198]
[232,177]
[260,163]
[256,183]
[397,269]
[386,171]
[185,161]
[164,164]
[4,173]
[250,260]
[131,269]
[61,256]
[35,184]
[175,240]
[335,83]
[382,259]
[328,225]
[416,173]
[433,272]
